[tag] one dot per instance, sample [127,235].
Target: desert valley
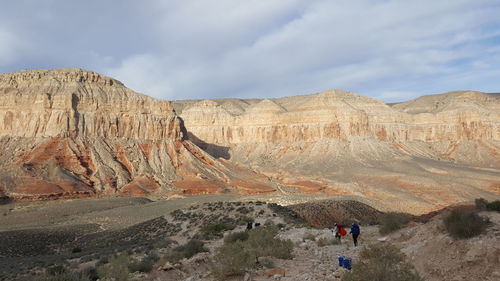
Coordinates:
[94,176]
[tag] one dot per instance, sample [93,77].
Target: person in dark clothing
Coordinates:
[355,231]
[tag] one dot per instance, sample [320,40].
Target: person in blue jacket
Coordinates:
[355,231]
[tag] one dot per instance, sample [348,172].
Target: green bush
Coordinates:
[191,248]
[464,224]
[235,258]
[76,250]
[493,206]
[236,236]
[481,204]
[57,270]
[116,269]
[214,231]
[67,276]
[145,265]
[390,222]
[381,262]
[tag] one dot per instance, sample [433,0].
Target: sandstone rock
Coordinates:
[75,133]
[341,143]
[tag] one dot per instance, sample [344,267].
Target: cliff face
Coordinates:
[339,115]
[71,132]
[433,151]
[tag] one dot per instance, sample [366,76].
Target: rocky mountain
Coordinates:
[414,156]
[73,133]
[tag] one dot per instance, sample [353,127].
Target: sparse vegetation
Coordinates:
[464,224]
[116,269]
[483,205]
[76,250]
[236,236]
[289,216]
[234,258]
[145,265]
[322,242]
[493,206]
[381,262]
[214,231]
[191,248]
[67,276]
[390,222]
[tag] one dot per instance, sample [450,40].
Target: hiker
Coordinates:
[249,225]
[339,231]
[355,231]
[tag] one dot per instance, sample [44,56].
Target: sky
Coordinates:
[200,49]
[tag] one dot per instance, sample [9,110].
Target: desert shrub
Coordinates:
[191,248]
[164,243]
[464,224]
[236,236]
[244,210]
[309,236]
[67,276]
[288,215]
[57,270]
[381,262]
[76,250]
[322,242]
[116,269]
[481,204]
[214,231]
[145,265]
[102,261]
[493,206]
[390,222]
[237,257]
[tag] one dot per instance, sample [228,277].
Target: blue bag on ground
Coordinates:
[346,263]
[341,260]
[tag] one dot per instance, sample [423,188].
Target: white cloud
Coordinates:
[249,48]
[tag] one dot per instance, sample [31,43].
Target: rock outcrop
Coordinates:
[71,132]
[434,150]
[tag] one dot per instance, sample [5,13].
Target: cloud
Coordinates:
[229,48]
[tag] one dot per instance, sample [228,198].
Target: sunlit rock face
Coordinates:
[432,151]
[72,132]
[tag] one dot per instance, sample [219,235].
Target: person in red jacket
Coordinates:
[339,231]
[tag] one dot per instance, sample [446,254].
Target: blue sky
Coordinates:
[197,49]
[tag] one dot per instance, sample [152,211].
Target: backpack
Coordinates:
[342,231]
[355,229]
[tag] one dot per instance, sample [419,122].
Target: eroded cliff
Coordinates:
[421,154]
[72,132]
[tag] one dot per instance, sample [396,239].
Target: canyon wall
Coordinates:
[71,133]
[340,115]
[429,152]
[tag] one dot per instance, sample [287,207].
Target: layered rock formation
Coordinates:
[435,150]
[71,132]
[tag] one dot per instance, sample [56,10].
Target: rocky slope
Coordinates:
[425,153]
[71,132]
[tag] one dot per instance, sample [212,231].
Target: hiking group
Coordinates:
[340,231]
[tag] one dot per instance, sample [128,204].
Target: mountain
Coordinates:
[74,133]
[68,133]
[414,156]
